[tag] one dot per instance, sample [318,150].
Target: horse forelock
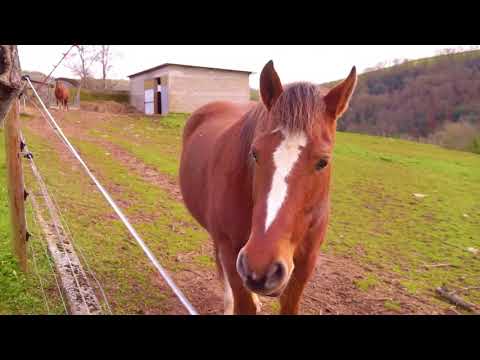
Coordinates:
[295,111]
[297,108]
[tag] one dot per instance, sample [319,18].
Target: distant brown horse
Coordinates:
[62,95]
[256,177]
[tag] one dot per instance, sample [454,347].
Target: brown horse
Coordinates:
[62,95]
[256,177]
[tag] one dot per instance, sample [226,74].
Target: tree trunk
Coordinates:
[78,93]
[104,79]
[10,78]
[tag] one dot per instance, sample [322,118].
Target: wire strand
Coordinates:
[45,248]
[69,232]
[39,278]
[119,212]
[44,191]
[80,251]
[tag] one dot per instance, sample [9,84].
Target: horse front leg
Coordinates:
[305,260]
[237,299]
[290,298]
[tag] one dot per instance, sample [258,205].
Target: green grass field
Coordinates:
[376,220]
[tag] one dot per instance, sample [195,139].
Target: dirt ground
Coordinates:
[331,290]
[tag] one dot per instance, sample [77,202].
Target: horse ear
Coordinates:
[338,98]
[270,85]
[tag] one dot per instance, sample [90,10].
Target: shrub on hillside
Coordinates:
[459,136]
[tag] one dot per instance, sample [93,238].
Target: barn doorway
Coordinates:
[159,95]
[149,101]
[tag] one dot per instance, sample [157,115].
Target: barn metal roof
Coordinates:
[189,66]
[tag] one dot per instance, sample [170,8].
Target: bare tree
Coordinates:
[381,65]
[446,51]
[81,63]
[397,61]
[105,59]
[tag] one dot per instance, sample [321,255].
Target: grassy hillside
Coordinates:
[416,98]
[377,221]
[376,218]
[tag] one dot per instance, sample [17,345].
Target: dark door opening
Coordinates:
[159,95]
[159,101]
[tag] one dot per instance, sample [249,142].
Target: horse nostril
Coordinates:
[276,274]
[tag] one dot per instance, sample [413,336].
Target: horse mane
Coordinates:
[251,119]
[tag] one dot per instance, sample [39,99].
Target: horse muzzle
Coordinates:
[270,283]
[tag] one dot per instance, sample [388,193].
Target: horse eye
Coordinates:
[254,155]
[321,164]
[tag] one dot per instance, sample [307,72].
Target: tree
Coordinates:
[105,59]
[396,61]
[416,100]
[380,65]
[81,63]
[446,51]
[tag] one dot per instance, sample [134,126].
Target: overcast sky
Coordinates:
[315,63]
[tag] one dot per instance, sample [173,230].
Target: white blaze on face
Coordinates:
[284,159]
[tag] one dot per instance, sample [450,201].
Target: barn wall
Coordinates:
[190,88]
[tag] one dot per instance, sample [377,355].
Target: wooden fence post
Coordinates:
[16,188]
[10,78]
[10,87]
